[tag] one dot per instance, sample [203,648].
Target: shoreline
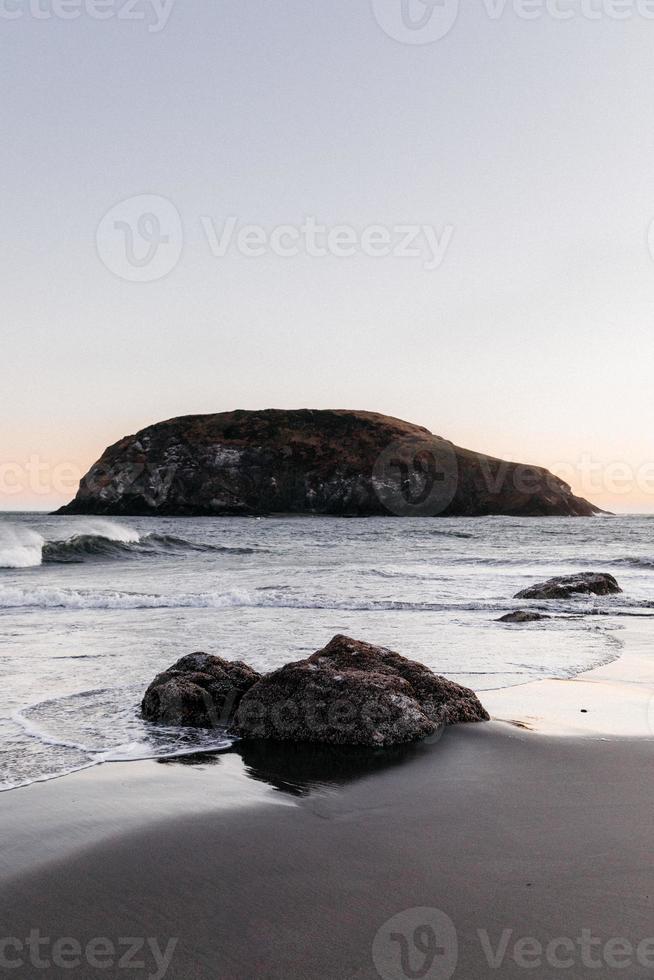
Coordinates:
[291,862]
[614,700]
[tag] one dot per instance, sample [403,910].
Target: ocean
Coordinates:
[92,608]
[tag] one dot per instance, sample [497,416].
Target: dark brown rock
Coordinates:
[435,693]
[586,583]
[199,691]
[311,462]
[353,693]
[522,616]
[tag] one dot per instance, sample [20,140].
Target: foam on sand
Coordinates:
[614,700]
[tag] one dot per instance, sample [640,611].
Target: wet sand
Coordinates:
[614,700]
[287,865]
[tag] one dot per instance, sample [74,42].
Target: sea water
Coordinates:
[91,609]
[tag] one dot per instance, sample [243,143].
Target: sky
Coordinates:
[440,213]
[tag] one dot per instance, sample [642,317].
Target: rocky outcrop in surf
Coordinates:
[199,691]
[565,586]
[348,693]
[343,463]
[522,616]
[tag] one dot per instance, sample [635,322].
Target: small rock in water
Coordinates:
[522,616]
[562,587]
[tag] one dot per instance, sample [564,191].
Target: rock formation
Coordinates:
[311,462]
[354,693]
[348,693]
[586,583]
[200,691]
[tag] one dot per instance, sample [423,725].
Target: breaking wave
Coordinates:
[87,547]
[14,597]
[24,548]
[52,598]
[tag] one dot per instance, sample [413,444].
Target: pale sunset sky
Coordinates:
[520,325]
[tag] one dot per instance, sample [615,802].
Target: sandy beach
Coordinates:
[516,847]
[496,851]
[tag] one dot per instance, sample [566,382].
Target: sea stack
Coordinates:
[341,463]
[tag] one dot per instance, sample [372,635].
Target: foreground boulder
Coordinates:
[586,583]
[348,693]
[522,616]
[199,691]
[311,462]
[353,693]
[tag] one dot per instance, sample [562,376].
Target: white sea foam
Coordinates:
[138,751]
[89,728]
[35,731]
[20,547]
[14,597]
[107,529]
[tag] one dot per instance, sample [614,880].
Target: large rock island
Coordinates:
[311,462]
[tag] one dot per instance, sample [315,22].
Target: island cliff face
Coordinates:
[311,462]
